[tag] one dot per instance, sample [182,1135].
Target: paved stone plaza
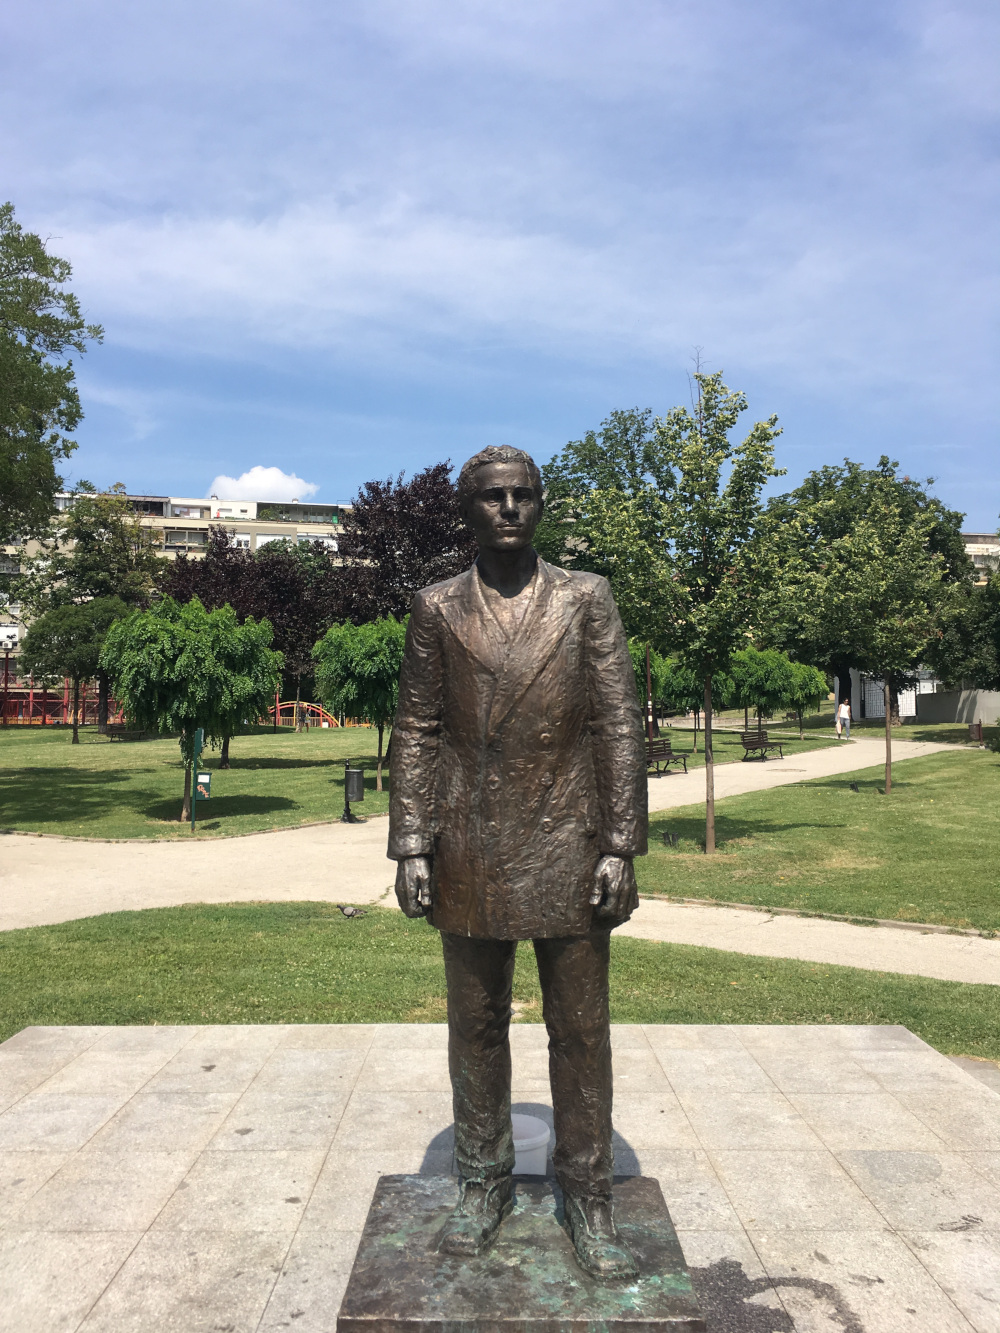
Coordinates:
[217,1179]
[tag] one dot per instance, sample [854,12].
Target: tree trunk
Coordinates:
[802,734]
[186,807]
[697,714]
[76,710]
[746,717]
[102,702]
[298,700]
[709,773]
[224,756]
[378,766]
[888,739]
[760,721]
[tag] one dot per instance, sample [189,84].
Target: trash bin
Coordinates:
[976,731]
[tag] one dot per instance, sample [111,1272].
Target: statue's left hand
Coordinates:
[614,893]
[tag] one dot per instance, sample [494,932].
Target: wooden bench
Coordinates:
[756,742]
[659,751]
[117,731]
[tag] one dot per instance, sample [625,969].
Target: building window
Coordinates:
[182,537]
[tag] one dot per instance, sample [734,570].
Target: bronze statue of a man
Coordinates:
[518,803]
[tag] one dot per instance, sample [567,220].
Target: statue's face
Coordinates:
[506,507]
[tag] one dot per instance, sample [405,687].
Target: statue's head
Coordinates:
[500,497]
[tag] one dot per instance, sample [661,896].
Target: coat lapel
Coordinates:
[472,623]
[541,630]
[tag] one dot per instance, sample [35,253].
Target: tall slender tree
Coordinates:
[686,550]
[357,673]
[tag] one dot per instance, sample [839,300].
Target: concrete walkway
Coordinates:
[198,1179]
[665,793]
[874,948]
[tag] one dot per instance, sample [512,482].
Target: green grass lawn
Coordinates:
[105,789]
[927,852]
[305,963]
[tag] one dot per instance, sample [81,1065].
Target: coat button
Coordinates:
[545,737]
[548,780]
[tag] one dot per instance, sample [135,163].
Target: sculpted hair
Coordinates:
[494,453]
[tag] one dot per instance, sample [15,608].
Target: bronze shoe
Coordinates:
[473,1226]
[600,1251]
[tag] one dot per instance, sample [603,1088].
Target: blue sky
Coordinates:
[344,239]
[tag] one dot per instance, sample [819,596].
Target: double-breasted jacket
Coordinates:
[517,764]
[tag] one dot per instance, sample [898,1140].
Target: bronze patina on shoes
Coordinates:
[473,1226]
[600,1251]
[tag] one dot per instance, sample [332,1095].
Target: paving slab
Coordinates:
[818,1176]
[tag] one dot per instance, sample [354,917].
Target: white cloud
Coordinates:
[263,483]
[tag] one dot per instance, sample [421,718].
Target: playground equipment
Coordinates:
[282,714]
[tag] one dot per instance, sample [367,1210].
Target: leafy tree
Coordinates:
[101,549]
[827,506]
[40,321]
[178,668]
[293,585]
[357,672]
[397,538]
[67,641]
[762,679]
[686,550]
[223,576]
[809,689]
[622,457]
[874,595]
[297,588]
[965,651]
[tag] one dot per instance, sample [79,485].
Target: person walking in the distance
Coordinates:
[518,802]
[844,718]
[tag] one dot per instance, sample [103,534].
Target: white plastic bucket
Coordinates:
[531,1145]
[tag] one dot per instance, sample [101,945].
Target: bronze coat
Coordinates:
[516,767]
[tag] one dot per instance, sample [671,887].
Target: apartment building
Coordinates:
[184,522]
[983,549]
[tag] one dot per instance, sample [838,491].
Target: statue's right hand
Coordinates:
[413,885]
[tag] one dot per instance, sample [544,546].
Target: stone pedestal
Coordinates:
[528,1282]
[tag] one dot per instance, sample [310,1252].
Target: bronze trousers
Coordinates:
[574,979]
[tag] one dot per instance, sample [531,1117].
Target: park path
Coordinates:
[812,940]
[754,775]
[48,880]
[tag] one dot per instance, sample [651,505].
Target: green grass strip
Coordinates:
[306,963]
[925,853]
